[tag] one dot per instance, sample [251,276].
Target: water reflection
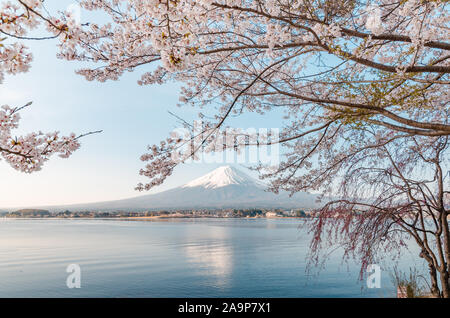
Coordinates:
[213,257]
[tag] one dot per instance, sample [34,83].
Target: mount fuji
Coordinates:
[224,187]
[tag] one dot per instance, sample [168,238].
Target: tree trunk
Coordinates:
[446,240]
[444,283]
[434,282]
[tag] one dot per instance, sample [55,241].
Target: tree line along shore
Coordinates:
[225,213]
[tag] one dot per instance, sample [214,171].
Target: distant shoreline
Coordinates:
[161,214]
[137,218]
[209,217]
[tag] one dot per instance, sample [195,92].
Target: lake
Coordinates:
[174,258]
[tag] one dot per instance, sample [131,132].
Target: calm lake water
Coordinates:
[173,258]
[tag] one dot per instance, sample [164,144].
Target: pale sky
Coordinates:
[106,166]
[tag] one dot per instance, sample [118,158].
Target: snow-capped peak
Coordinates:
[221,177]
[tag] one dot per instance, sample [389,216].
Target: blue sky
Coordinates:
[107,165]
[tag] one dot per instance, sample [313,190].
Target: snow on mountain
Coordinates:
[221,177]
[225,187]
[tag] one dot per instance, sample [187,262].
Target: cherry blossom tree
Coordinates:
[392,192]
[364,88]
[28,153]
[25,153]
[326,63]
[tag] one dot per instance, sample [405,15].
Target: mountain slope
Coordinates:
[225,187]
